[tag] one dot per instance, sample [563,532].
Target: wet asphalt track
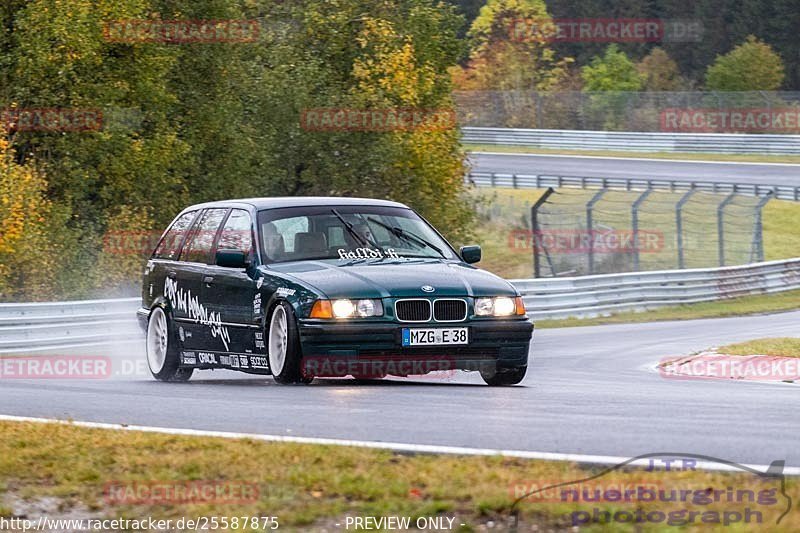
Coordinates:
[744,173]
[589,390]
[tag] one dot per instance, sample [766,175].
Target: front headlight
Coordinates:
[484,306]
[499,306]
[345,308]
[504,306]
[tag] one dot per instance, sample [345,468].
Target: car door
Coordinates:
[198,327]
[232,293]
[165,258]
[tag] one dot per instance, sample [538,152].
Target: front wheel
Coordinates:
[283,346]
[503,377]
[162,350]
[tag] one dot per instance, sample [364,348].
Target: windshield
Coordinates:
[347,233]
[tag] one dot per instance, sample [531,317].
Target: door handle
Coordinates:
[208,280]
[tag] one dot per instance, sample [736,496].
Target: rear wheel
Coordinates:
[162,349]
[502,377]
[283,346]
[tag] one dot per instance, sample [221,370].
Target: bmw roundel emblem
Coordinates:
[427,288]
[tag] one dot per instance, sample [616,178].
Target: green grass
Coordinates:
[780,346]
[750,158]
[781,219]
[781,241]
[493,236]
[781,236]
[310,487]
[746,305]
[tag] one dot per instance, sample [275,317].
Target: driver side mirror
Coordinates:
[470,254]
[232,259]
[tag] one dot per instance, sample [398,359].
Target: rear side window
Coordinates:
[201,239]
[237,233]
[169,246]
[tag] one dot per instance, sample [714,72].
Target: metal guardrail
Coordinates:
[588,296]
[722,143]
[29,327]
[542,181]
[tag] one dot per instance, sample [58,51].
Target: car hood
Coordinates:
[379,279]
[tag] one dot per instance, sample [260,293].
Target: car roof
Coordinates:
[297,201]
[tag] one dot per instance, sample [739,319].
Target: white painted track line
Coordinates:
[395,446]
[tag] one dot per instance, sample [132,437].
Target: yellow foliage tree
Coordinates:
[428,163]
[511,49]
[27,253]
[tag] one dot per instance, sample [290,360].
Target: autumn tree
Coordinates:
[193,122]
[511,48]
[28,251]
[427,162]
[356,55]
[659,72]
[613,71]
[751,66]
[60,58]
[609,77]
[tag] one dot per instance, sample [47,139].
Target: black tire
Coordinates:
[163,354]
[288,371]
[503,377]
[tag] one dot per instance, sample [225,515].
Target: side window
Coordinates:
[237,233]
[198,248]
[168,247]
[288,228]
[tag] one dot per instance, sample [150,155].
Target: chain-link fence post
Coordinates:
[589,227]
[757,249]
[721,227]
[535,230]
[679,225]
[635,226]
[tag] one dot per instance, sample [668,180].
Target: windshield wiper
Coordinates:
[352,231]
[408,236]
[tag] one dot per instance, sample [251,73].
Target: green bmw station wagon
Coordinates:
[306,287]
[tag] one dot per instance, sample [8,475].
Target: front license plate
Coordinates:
[435,336]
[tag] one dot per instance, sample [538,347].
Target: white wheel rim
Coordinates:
[157,340]
[278,336]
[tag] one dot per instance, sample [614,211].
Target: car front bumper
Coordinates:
[375,348]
